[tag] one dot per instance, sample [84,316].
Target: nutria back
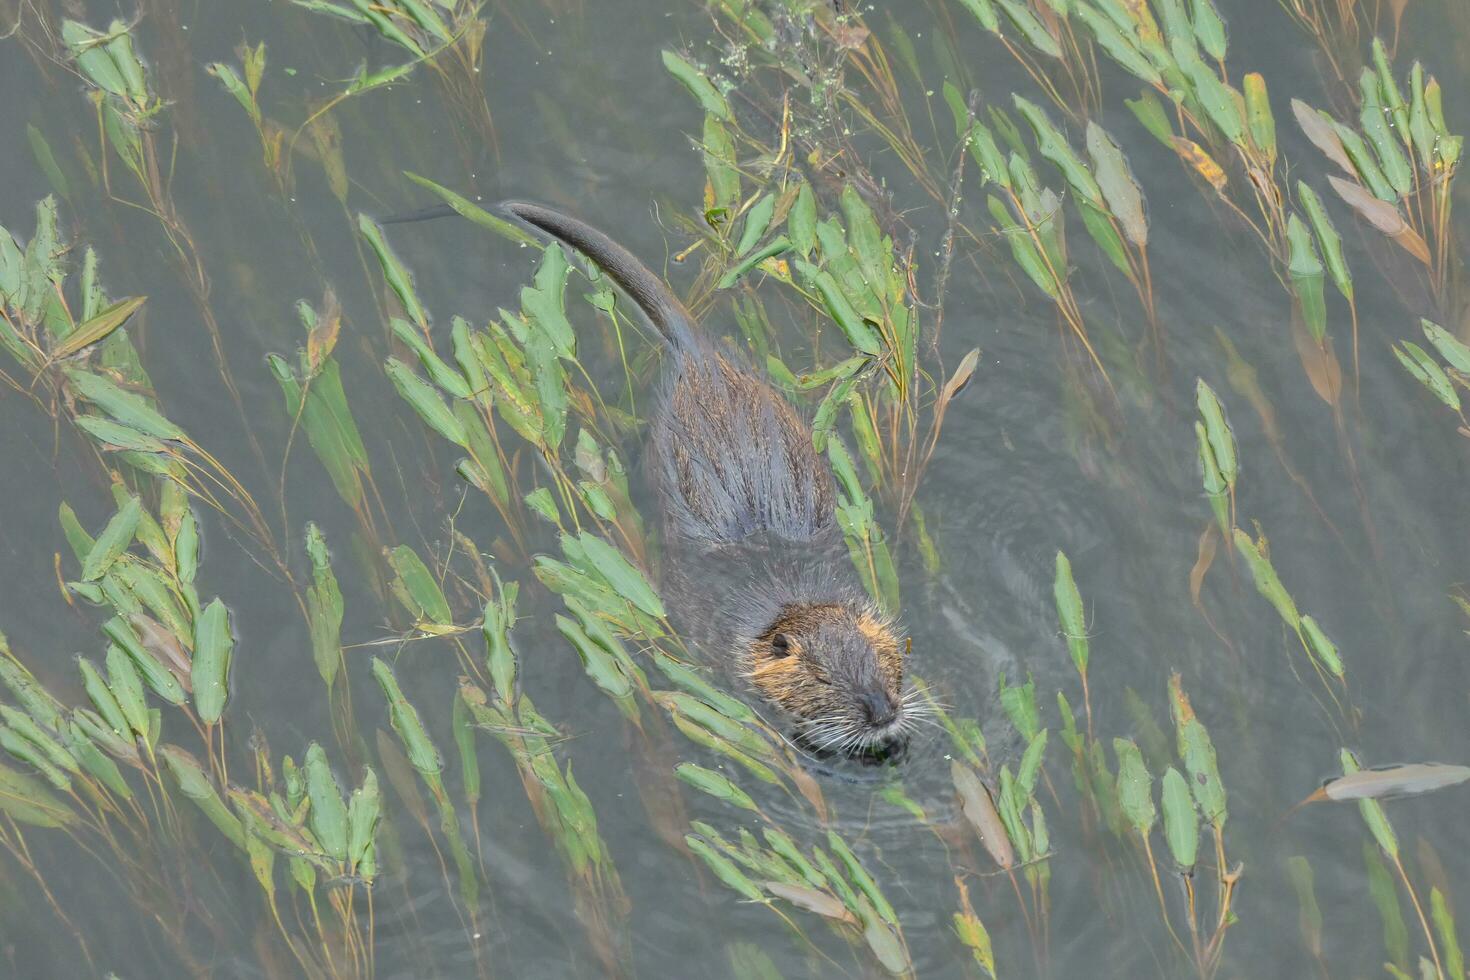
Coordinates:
[733,459]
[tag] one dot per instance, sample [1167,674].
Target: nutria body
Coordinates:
[756,572]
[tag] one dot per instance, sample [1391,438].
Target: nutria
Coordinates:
[756,571]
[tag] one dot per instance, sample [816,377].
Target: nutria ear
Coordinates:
[780,645]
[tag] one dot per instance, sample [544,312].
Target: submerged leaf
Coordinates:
[1390,781]
[810,899]
[979,809]
[1122,192]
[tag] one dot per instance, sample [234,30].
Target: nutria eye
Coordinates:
[821,676]
[780,645]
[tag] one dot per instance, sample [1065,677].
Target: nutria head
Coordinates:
[837,669]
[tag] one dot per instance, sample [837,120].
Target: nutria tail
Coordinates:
[655,298]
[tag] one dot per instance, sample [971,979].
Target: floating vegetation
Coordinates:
[400,528]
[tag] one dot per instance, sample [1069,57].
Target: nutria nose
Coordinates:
[878,707]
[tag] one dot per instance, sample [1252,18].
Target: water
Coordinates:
[586,118]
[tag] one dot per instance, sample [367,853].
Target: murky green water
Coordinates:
[1362,505]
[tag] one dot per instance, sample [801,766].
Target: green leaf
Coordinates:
[447,378]
[1444,925]
[88,48]
[1396,167]
[627,580]
[28,801]
[399,279]
[719,163]
[714,784]
[1327,238]
[158,677]
[1258,117]
[1217,430]
[98,327]
[1218,98]
[1115,179]
[1428,372]
[1023,248]
[1306,274]
[1149,111]
[857,331]
[1181,822]
[801,222]
[604,670]
[46,160]
[1267,582]
[724,869]
[1364,165]
[757,219]
[425,599]
[1420,129]
[1135,787]
[210,675]
[426,402]
[544,304]
[1029,769]
[363,812]
[984,12]
[104,699]
[1373,814]
[1120,46]
[1209,29]
[1019,702]
[698,85]
[328,814]
[1070,613]
[194,784]
[113,541]
[1031,29]
[1384,892]
[422,754]
[324,607]
[1054,146]
[126,407]
[1448,346]
[1321,647]
[500,658]
[775,246]
[468,209]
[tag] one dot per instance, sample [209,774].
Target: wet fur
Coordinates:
[752,549]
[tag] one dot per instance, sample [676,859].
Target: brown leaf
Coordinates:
[960,379]
[1208,542]
[1320,363]
[980,810]
[165,647]
[1320,132]
[1411,241]
[323,336]
[1204,164]
[1383,216]
[1380,214]
[810,899]
[849,36]
[326,135]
